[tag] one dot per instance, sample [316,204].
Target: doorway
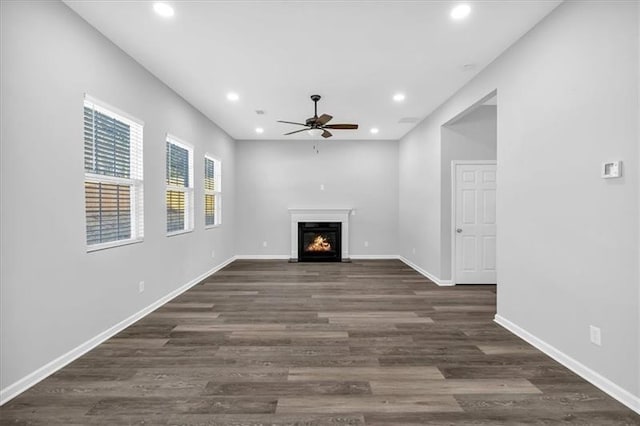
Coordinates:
[474,222]
[469,136]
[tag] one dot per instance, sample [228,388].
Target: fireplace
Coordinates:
[320,215]
[319,242]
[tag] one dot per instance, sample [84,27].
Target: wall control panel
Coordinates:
[612,169]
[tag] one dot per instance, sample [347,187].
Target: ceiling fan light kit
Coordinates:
[317,126]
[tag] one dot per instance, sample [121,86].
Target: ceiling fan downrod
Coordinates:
[315,99]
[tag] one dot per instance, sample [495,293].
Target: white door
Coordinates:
[475,224]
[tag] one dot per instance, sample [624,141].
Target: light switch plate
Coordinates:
[612,169]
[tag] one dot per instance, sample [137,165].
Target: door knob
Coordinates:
[459,230]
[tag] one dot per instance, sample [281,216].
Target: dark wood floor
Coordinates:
[277,343]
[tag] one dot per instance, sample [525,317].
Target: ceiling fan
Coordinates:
[318,125]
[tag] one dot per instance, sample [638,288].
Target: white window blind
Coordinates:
[113,176]
[212,191]
[179,186]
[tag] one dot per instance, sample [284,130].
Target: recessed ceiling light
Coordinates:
[259,130]
[461,11]
[233,96]
[374,130]
[398,97]
[163,10]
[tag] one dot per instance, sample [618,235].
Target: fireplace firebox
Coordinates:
[319,242]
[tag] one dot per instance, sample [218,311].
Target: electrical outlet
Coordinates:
[366,243]
[596,335]
[213,254]
[141,287]
[264,244]
[413,250]
[322,187]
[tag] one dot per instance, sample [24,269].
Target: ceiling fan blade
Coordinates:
[323,119]
[296,131]
[291,122]
[342,126]
[326,134]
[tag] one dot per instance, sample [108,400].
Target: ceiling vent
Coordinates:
[260,111]
[404,120]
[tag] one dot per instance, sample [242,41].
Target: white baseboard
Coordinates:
[432,277]
[262,257]
[287,257]
[625,397]
[373,256]
[45,371]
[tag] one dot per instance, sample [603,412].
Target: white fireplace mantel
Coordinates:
[320,215]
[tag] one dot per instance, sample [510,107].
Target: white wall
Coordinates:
[567,239]
[419,196]
[470,137]
[54,295]
[638,262]
[273,176]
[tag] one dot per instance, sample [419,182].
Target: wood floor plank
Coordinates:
[136,387]
[310,387]
[306,361]
[136,343]
[502,417]
[188,305]
[453,387]
[229,327]
[265,342]
[365,296]
[200,405]
[282,351]
[368,314]
[367,404]
[379,320]
[426,353]
[507,348]
[464,308]
[365,373]
[266,419]
[289,334]
[217,374]
[563,402]
[218,292]
[185,315]
[356,342]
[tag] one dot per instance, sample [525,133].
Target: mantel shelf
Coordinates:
[319,210]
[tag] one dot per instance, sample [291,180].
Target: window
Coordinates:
[113,176]
[179,186]
[212,192]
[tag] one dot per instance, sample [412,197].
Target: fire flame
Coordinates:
[320,243]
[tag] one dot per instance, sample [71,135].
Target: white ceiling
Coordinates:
[275,54]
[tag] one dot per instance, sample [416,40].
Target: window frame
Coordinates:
[135,181]
[216,192]
[187,190]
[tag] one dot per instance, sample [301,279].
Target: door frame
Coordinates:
[454,165]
